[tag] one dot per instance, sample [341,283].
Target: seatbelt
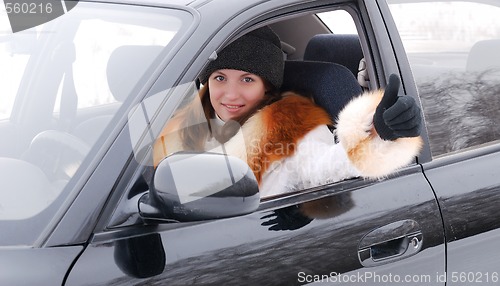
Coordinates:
[363,78]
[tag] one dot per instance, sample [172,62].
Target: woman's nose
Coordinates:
[231,91]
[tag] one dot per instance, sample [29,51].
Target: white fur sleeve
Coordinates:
[316,161]
[372,156]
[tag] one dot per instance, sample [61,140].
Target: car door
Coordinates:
[456,70]
[364,231]
[366,236]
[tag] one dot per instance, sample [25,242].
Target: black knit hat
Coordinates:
[258,52]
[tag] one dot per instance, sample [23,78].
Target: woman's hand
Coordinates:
[397,116]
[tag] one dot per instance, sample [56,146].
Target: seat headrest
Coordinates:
[483,56]
[331,85]
[126,65]
[335,48]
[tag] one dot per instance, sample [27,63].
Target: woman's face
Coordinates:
[234,93]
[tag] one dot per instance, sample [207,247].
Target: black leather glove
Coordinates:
[289,218]
[397,116]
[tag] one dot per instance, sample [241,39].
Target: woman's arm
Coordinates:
[373,156]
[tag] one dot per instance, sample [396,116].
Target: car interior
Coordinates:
[308,38]
[319,63]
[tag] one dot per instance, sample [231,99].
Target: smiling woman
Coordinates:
[235,93]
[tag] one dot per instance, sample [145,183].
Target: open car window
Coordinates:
[158,125]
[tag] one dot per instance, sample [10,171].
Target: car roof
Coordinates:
[192,3]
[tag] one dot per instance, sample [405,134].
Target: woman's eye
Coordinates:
[219,78]
[247,79]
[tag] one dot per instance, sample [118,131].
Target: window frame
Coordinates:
[121,201]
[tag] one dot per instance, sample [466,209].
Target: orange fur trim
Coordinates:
[358,152]
[270,135]
[281,125]
[161,143]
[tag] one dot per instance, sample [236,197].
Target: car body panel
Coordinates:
[232,251]
[45,266]
[469,193]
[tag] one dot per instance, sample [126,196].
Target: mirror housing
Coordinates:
[191,186]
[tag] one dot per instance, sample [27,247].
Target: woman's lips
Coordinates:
[232,107]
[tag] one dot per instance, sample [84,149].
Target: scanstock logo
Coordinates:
[25,14]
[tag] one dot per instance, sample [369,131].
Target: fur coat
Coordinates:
[288,145]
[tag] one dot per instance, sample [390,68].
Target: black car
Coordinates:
[85,94]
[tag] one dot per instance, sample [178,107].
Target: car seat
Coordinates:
[330,85]
[125,67]
[484,56]
[343,49]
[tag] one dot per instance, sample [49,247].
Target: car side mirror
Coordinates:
[200,186]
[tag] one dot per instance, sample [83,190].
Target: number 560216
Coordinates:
[28,8]
[474,277]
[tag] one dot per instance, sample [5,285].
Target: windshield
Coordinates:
[61,83]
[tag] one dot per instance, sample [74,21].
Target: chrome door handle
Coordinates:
[391,242]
